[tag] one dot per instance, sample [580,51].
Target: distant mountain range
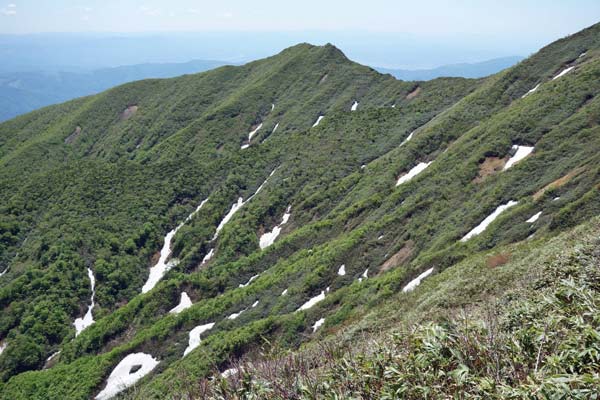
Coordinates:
[21,92]
[464,70]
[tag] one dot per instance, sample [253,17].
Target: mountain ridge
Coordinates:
[106,199]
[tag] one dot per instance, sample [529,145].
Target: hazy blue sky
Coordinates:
[524,18]
[384,33]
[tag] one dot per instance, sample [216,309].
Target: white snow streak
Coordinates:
[342,270]
[268,238]
[310,303]
[162,266]
[237,206]
[531,91]
[318,324]
[194,340]
[208,256]
[521,153]
[420,167]
[184,303]
[254,131]
[417,281]
[534,217]
[237,314]
[318,121]
[563,72]
[249,281]
[354,106]
[88,318]
[488,220]
[408,138]
[121,377]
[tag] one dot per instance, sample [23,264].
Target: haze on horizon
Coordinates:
[384,33]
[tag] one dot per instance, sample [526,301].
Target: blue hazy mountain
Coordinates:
[464,70]
[21,92]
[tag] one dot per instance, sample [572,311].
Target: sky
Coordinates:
[527,18]
[385,33]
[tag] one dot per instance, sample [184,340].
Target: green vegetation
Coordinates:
[105,198]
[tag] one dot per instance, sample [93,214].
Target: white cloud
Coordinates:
[10,10]
[194,11]
[226,14]
[150,11]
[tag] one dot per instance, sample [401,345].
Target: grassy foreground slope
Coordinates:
[145,155]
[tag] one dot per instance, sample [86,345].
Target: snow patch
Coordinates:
[255,304]
[254,131]
[365,275]
[318,121]
[420,167]
[184,303]
[194,340]
[488,220]
[582,54]
[162,266]
[5,271]
[235,315]
[417,281]
[3,345]
[354,106]
[121,377]
[310,303]
[208,256]
[244,146]
[275,128]
[342,270]
[534,217]
[52,357]
[520,153]
[408,138]
[380,237]
[272,106]
[284,292]
[234,208]
[268,238]
[88,318]
[318,324]
[531,91]
[563,72]
[249,282]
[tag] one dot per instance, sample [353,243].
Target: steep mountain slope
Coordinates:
[392,184]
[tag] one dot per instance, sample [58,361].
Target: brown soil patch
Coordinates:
[128,113]
[489,166]
[558,183]
[71,138]
[498,260]
[399,258]
[414,93]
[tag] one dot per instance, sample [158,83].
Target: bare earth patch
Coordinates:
[399,258]
[489,166]
[71,138]
[128,113]
[558,183]
[414,93]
